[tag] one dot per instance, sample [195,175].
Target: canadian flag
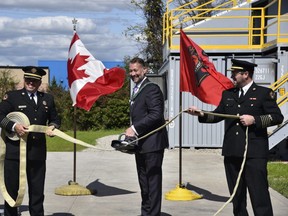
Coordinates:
[88,78]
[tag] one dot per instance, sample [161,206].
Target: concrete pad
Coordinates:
[113,175]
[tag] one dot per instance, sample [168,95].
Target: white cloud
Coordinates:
[6,62]
[67,5]
[33,30]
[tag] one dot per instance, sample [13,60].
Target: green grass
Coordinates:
[278,177]
[57,144]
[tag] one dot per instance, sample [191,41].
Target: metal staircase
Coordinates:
[245,29]
[281,132]
[278,134]
[256,30]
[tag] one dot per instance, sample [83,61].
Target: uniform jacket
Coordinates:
[44,113]
[259,102]
[147,114]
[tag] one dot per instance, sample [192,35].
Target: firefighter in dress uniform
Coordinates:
[257,109]
[40,109]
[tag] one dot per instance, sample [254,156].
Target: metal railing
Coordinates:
[277,86]
[262,30]
[282,100]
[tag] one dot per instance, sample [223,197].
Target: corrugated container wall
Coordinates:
[195,134]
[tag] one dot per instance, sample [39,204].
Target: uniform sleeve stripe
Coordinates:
[266,120]
[210,118]
[4,122]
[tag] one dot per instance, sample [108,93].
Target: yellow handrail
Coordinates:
[261,30]
[276,85]
[267,33]
[282,100]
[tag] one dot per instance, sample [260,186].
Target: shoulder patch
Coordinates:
[272,94]
[5,97]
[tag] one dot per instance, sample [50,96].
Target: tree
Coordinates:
[109,111]
[150,38]
[154,20]
[7,83]
[63,104]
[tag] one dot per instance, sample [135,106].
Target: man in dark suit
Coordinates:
[258,110]
[147,114]
[40,109]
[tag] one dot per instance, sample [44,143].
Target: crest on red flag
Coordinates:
[198,75]
[88,78]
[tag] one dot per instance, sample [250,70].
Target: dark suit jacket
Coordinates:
[259,102]
[147,114]
[41,114]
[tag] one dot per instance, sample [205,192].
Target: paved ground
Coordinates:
[113,175]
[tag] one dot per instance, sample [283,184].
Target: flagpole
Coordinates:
[73,188]
[181,192]
[180,143]
[180,130]
[74,22]
[75,136]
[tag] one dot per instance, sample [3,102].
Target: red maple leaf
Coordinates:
[73,73]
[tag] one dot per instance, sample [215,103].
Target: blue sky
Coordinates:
[33,30]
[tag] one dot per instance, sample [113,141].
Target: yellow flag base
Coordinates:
[182,194]
[73,189]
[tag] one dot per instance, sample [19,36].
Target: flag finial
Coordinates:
[74,22]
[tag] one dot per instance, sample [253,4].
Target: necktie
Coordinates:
[241,93]
[32,98]
[135,89]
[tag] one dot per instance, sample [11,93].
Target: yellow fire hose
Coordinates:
[22,118]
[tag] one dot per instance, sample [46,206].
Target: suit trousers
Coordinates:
[254,177]
[36,170]
[149,170]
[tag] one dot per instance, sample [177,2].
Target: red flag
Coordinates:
[88,78]
[198,75]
